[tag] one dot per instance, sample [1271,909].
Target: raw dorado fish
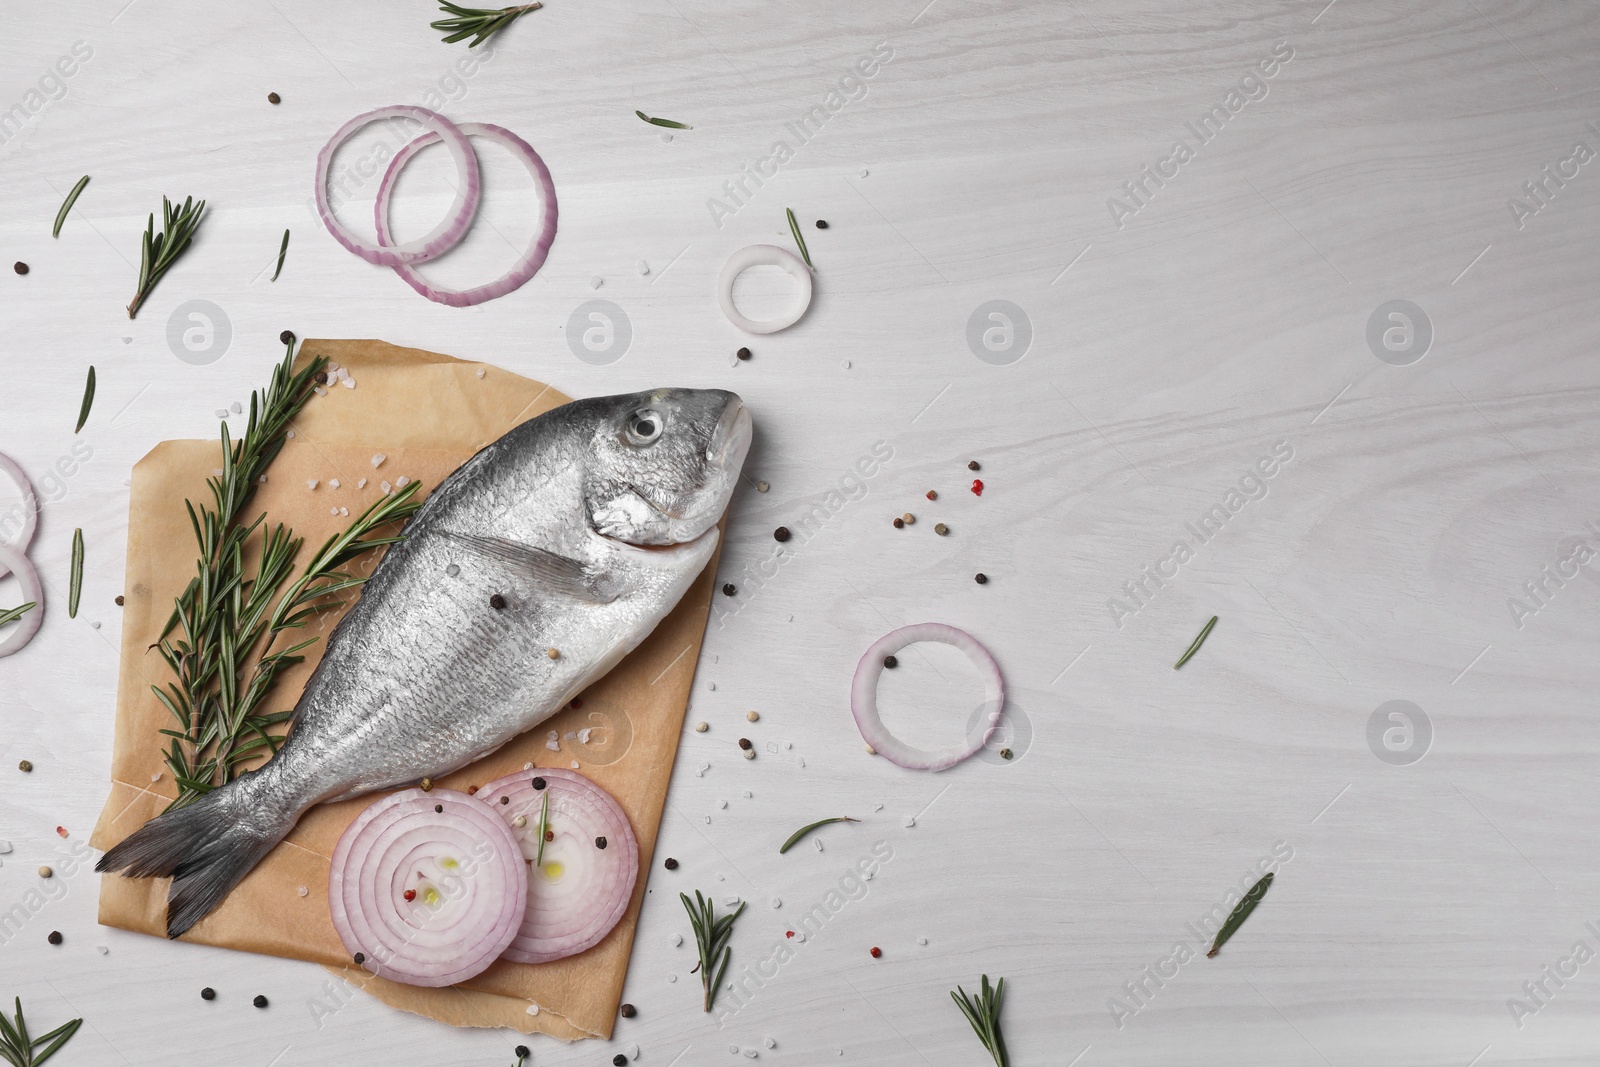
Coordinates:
[578,531]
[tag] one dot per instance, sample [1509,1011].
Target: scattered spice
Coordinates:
[981,578]
[931,495]
[750,753]
[25,766]
[66,207]
[891,662]
[55,937]
[521,1052]
[1005,753]
[538,783]
[61,831]
[472,790]
[701,727]
[762,487]
[286,337]
[46,872]
[75,578]
[259,1001]
[438,809]
[753,716]
[822,224]
[360,958]
[804,830]
[119,601]
[781,534]
[600,842]
[553,653]
[410,895]
[899,523]
[983,1012]
[274,98]
[520,821]
[1241,912]
[505,800]
[1194,646]
[729,589]
[972,465]
[20,267]
[743,353]
[208,993]
[628,1011]
[908,518]
[619,1060]
[549,835]
[977,487]
[744,742]
[941,529]
[876,951]
[427,784]
[497,602]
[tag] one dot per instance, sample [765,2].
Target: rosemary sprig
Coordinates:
[283,250]
[20,1049]
[162,250]
[711,936]
[1241,912]
[804,830]
[75,580]
[221,642]
[664,122]
[983,1012]
[544,828]
[1194,646]
[11,615]
[66,207]
[88,401]
[484,22]
[794,228]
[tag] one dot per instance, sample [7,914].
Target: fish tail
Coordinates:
[206,847]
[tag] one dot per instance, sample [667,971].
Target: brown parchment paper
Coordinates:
[426,413]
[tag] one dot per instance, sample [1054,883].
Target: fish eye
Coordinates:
[645,426]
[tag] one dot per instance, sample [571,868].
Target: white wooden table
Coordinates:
[1171,343]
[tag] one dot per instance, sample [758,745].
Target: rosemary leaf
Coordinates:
[88,401]
[1241,912]
[1195,645]
[664,122]
[66,207]
[794,228]
[75,588]
[544,828]
[711,936]
[283,250]
[804,830]
[19,1048]
[11,615]
[479,23]
[983,1013]
[161,251]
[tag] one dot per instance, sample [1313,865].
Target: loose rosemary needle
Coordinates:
[10,615]
[544,828]
[283,250]
[804,830]
[664,122]
[88,400]
[983,1012]
[75,585]
[1241,912]
[162,250]
[66,207]
[1194,646]
[479,23]
[794,228]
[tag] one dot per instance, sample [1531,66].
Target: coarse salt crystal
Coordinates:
[236,407]
[332,366]
[909,821]
[311,483]
[402,482]
[672,978]
[770,1043]
[748,794]
[751,1053]
[595,282]
[570,735]
[480,372]
[633,1052]
[922,941]
[333,483]
[877,807]
[677,939]
[290,435]
[818,843]
[377,460]
[344,511]
[533,1009]
[528,766]
[644,268]
[302,891]
[777,903]
[386,487]
[574,764]
[722,804]
[102,950]
[333,511]
[584,734]
[708,820]
[222,413]
[349,382]
[319,390]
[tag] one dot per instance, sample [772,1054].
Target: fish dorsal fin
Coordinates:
[554,571]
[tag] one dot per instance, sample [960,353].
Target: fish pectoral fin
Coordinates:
[554,571]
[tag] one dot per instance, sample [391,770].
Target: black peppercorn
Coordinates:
[729,589]
[744,743]
[208,993]
[521,1052]
[497,602]
[781,534]
[505,800]
[822,224]
[286,337]
[600,842]
[890,662]
[320,378]
[670,864]
[743,353]
[55,937]
[274,98]
[260,1001]
[119,600]
[972,465]
[538,783]
[439,809]
[21,267]
[981,578]
[899,523]
[360,958]
[629,1011]
[619,1060]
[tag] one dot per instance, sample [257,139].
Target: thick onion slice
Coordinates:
[759,256]
[30,510]
[448,232]
[465,874]
[531,260]
[23,629]
[864,697]
[580,890]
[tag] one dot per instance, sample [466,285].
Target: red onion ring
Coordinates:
[18,564]
[443,236]
[463,867]
[531,260]
[864,696]
[30,504]
[582,890]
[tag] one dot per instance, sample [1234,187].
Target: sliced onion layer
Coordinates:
[864,697]
[581,889]
[443,236]
[532,259]
[23,629]
[463,870]
[30,511]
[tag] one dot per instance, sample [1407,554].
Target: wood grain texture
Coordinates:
[1169,354]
